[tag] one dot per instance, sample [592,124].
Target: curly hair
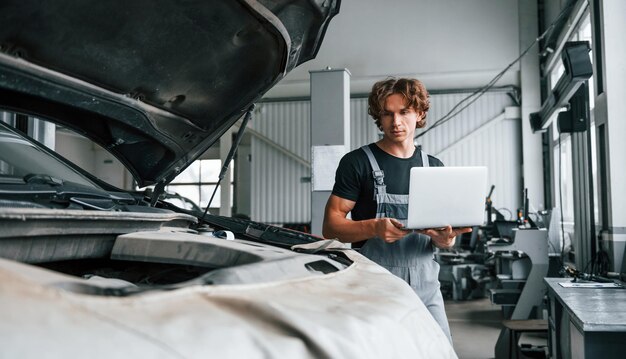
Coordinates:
[413,91]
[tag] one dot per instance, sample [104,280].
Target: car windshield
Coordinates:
[19,157]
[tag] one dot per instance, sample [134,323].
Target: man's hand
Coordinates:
[444,237]
[390,229]
[336,225]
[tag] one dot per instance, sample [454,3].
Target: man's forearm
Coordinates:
[349,231]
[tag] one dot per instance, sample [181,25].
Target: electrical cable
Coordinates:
[479,92]
[450,115]
[601,263]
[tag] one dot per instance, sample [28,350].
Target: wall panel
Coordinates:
[280,190]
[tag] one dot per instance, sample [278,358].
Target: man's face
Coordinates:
[398,122]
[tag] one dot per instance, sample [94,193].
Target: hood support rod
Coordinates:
[231,154]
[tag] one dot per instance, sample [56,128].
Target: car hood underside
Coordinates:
[155,82]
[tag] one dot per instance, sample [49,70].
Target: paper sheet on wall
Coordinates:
[324,162]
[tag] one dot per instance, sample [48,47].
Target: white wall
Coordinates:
[77,149]
[448,44]
[108,168]
[92,158]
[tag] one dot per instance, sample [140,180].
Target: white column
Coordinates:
[330,135]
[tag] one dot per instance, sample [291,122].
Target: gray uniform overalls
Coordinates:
[410,258]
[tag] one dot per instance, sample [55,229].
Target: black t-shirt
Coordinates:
[354,180]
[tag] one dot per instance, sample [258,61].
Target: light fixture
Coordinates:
[578,69]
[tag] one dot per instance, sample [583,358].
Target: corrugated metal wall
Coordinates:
[362,128]
[280,193]
[280,190]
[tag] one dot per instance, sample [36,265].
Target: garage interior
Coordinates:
[532,89]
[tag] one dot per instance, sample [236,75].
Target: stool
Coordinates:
[517,327]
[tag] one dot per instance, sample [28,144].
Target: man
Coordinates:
[372,183]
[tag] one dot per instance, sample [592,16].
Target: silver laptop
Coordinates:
[441,196]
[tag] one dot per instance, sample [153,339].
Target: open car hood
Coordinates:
[155,82]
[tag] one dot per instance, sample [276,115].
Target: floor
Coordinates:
[475,325]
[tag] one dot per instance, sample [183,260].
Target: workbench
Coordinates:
[586,322]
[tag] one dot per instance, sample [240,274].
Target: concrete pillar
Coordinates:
[609,111]
[531,102]
[330,135]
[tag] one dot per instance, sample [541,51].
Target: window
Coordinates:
[584,34]
[564,165]
[564,189]
[198,182]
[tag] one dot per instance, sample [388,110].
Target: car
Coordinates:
[180,201]
[91,270]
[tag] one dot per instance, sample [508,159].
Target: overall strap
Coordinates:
[424,159]
[377,173]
